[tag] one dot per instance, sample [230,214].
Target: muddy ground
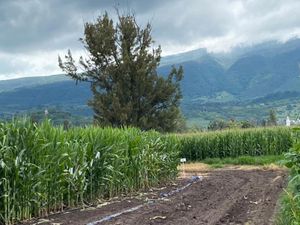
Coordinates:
[231,195]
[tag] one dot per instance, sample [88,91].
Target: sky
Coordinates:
[34,32]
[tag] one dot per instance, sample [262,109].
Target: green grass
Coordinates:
[245,160]
[216,166]
[289,211]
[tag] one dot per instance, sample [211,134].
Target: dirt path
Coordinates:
[232,195]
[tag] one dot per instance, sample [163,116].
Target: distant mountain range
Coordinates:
[245,74]
[248,72]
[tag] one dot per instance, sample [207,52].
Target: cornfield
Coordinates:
[233,143]
[46,169]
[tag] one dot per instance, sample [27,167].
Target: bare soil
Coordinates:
[231,195]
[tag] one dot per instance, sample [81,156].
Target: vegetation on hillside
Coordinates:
[257,111]
[205,95]
[219,124]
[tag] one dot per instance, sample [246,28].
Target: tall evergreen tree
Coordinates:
[122,69]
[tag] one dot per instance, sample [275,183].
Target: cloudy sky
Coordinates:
[35,32]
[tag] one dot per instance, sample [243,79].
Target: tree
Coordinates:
[247,124]
[122,69]
[218,124]
[272,120]
[264,123]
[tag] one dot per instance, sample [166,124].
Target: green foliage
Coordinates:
[207,94]
[289,212]
[45,169]
[246,160]
[222,124]
[247,124]
[290,202]
[272,120]
[236,142]
[122,70]
[218,125]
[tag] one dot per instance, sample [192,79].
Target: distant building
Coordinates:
[289,122]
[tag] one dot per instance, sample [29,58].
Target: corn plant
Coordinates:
[46,169]
[237,142]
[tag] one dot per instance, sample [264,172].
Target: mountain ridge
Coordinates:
[253,72]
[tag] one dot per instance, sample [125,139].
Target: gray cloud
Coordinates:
[46,24]
[35,29]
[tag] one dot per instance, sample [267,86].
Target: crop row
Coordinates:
[233,143]
[46,169]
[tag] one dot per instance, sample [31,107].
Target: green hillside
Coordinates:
[242,84]
[29,82]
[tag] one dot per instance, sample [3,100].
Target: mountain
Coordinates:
[259,75]
[58,93]
[202,77]
[13,84]
[215,84]
[183,57]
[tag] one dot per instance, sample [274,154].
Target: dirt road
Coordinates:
[232,195]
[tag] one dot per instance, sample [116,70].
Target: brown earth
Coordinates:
[231,195]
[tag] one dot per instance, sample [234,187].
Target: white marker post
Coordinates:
[183,161]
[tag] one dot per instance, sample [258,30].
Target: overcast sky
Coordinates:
[34,32]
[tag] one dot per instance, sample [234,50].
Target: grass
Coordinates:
[245,160]
[271,161]
[285,215]
[289,212]
[191,167]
